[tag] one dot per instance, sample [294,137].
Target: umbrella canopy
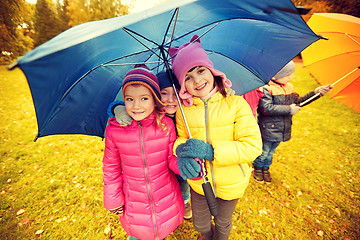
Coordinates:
[74,76]
[338,57]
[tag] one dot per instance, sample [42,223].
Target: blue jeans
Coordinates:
[185,188]
[266,157]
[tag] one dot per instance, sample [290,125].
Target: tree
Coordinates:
[15,28]
[46,23]
[350,7]
[63,18]
[81,11]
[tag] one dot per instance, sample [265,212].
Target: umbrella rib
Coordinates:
[128,32]
[87,73]
[333,56]
[349,36]
[239,64]
[124,64]
[200,35]
[172,35]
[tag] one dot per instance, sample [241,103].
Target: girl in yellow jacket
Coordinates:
[224,133]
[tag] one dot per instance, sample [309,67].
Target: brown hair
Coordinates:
[220,85]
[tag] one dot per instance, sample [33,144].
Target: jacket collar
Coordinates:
[214,98]
[145,122]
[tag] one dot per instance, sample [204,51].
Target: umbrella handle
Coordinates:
[210,197]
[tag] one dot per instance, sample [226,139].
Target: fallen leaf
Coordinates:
[337,211]
[320,233]
[38,232]
[21,211]
[51,218]
[107,231]
[9,180]
[24,222]
[296,214]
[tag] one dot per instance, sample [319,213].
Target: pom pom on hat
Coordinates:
[142,75]
[188,56]
[288,69]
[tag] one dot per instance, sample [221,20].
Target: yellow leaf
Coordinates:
[320,233]
[38,232]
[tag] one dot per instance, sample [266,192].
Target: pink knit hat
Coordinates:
[188,56]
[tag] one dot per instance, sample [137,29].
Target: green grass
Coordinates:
[57,180]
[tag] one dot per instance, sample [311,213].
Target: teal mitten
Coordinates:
[195,148]
[189,167]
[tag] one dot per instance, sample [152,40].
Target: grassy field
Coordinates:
[52,188]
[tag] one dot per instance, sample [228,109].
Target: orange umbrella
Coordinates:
[336,58]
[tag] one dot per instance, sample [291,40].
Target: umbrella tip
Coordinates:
[322,37]
[12,65]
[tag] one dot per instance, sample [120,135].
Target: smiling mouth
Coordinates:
[171,106]
[137,113]
[201,87]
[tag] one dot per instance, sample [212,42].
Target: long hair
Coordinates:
[159,114]
[220,85]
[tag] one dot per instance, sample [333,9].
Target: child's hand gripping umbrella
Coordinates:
[191,157]
[208,191]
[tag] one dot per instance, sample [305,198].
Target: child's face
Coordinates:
[199,82]
[169,98]
[139,102]
[284,80]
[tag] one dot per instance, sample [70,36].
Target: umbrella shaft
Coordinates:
[345,76]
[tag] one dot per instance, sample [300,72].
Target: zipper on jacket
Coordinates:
[147,180]
[207,127]
[242,169]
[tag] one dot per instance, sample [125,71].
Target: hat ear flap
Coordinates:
[195,37]
[173,51]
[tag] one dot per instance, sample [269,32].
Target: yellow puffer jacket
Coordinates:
[234,135]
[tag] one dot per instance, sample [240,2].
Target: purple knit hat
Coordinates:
[142,75]
[188,56]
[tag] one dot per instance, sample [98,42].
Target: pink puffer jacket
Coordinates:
[139,172]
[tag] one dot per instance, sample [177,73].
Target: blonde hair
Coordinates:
[159,114]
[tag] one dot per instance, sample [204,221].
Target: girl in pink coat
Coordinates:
[139,166]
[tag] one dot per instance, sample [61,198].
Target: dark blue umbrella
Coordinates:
[74,76]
